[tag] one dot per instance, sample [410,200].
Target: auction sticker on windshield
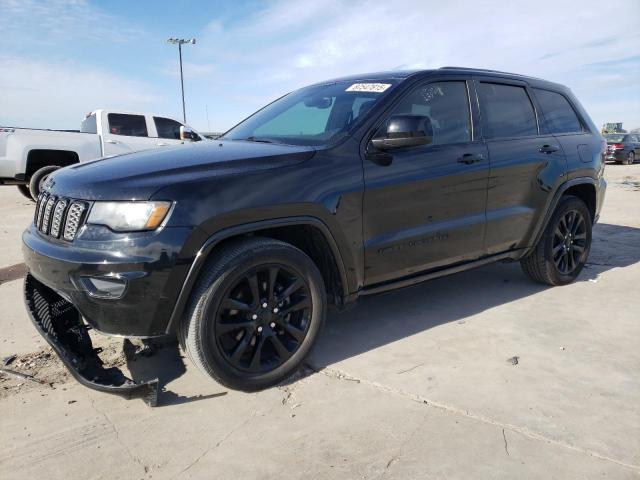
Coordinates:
[368,87]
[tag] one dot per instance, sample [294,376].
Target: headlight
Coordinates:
[129,216]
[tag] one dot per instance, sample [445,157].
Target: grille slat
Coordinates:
[72,222]
[59,217]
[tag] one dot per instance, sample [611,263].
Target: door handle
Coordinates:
[110,141]
[162,144]
[548,149]
[469,158]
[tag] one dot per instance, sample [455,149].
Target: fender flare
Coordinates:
[208,246]
[542,224]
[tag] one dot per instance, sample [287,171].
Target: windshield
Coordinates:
[312,116]
[614,138]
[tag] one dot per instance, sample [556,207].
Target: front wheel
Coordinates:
[38,178]
[563,249]
[255,313]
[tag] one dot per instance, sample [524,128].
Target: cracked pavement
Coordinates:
[411,384]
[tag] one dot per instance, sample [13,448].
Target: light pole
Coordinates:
[180,42]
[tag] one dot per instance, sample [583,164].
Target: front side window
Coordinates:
[558,112]
[125,124]
[446,104]
[313,116]
[167,128]
[506,111]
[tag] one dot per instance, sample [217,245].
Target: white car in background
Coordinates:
[28,156]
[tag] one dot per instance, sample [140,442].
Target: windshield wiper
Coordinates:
[258,139]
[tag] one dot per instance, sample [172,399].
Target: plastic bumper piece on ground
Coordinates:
[61,325]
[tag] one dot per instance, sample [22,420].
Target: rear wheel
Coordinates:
[564,247]
[24,190]
[38,178]
[631,158]
[255,313]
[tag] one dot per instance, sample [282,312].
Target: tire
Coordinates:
[226,343]
[550,262]
[38,179]
[631,158]
[24,190]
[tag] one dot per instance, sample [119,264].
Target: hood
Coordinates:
[136,176]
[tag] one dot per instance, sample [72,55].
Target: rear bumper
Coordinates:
[60,324]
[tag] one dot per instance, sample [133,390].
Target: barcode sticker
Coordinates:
[368,87]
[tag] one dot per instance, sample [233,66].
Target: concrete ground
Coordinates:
[483,374]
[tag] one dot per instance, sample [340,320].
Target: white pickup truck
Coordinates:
[28,156]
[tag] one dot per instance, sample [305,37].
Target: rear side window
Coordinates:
[447,106]
[506,111]
[130,125]
[89,124]
[558,112]
[167,128]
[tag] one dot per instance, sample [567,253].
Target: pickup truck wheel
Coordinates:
[564,247]
[24,190]
[38,178]
[255,313]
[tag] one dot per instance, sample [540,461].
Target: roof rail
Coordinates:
[486,70]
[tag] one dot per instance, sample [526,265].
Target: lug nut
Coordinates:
[254,317]
[259,329]
[275,310]
[264,305]
[272,324]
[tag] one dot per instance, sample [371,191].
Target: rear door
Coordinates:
[125,133]
[524,160]
[426,208]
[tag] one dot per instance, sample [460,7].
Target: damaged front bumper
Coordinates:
[61,325]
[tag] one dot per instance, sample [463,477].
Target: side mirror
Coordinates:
[187,134]
[402,131]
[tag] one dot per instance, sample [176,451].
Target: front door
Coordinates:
[426,207]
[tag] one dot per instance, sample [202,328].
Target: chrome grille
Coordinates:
[58,213]
[73,220]
[59,217]
[46,216]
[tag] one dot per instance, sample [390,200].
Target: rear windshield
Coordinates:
[614,138]
[89,124]
[313,116]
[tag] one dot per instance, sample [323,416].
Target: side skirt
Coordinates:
[430,275]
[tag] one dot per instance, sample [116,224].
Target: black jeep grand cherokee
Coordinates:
[341,189]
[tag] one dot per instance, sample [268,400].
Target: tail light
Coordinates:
[617,146]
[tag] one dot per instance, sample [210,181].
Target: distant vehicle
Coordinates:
[613,127]
[623,147]
[28,156]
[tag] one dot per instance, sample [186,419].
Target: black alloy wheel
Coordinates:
[255,313]
[569,242]
[263,318]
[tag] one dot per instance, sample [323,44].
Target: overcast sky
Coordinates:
[61,59]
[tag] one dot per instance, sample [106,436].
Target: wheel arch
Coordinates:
[307,233]
[38,158]
[584,188]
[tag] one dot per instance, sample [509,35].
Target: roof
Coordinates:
[404,74]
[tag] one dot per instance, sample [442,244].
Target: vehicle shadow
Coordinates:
[383,319]
[161,359]
[386,318]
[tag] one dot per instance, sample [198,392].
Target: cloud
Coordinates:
[59,22]
[289,43]
[58,95]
